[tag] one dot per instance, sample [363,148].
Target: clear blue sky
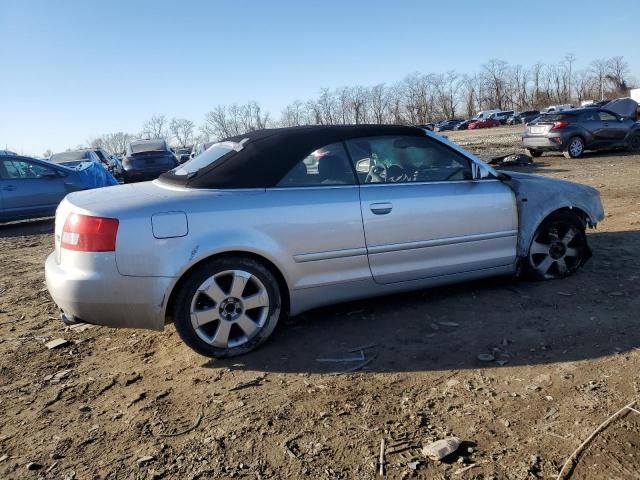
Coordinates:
[72,70]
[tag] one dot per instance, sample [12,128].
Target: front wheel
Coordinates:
[574,148]
[634,142]
[559,247]
[227,307]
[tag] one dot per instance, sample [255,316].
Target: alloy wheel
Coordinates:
[576,147]
[229,308]
[557,250]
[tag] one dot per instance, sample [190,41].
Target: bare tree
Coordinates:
[379,103]
[599,70]
[617,73]
[182,131]
[494,78]
[156,127]
[113,142]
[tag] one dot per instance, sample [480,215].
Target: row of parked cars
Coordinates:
[563,128]
[33,188]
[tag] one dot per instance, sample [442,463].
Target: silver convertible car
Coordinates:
[276,222]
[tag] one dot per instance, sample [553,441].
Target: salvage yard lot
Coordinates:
[135,404]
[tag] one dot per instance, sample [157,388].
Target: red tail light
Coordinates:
[84,233]
[557,125]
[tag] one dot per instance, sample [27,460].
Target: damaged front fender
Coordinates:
[538,197]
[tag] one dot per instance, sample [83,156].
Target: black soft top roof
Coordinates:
[268,155]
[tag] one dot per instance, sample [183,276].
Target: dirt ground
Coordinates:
[135,404]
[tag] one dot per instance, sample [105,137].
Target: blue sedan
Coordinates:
[31,188]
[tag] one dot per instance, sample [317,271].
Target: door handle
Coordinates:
[9,188]
[381,208]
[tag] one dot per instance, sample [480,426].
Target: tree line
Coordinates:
[418,98]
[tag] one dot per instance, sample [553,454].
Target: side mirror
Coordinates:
[363,165]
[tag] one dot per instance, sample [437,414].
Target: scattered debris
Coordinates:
[441,448]
[85,408]
[359,366]
[414,465]
[3,458]
[251,383]
[142,461]
[449,324]
[359,358]
[57,343]
[34,466]
[486,357]
[80,327]
[462,470]
[512,160]
[381,459]
[53,465]
[363,347]
[574,457]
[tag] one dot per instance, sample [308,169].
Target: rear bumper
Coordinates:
[104,297]
[543,143]
[142,175]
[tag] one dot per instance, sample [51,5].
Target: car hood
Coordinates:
[625,107]
[537,197]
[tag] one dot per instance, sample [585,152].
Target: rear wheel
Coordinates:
[227,307]
[574,148]
[558,249]
[534,153]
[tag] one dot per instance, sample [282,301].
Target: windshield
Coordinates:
[554,117]
[211,155]
[73,156]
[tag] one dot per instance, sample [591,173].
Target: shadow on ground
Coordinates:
[591,314]
[27,227]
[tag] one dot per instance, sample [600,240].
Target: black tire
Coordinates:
[534,153]
[551,233]
[574,148]
[181,311]
[634,142]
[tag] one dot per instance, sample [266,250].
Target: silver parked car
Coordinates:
[280,221]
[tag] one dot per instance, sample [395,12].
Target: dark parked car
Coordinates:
[523,117]
[574,131]
[447,125]
[464,125]
[31,188]
[147,160]
[183,154]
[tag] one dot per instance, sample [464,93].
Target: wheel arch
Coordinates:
[175,287]
[580,213]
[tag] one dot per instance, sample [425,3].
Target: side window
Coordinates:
[328,165]
[406,159]
[607,117]
[590,116]
[20,169]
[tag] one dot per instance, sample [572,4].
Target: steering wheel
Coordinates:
[455,172]
[377,174]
